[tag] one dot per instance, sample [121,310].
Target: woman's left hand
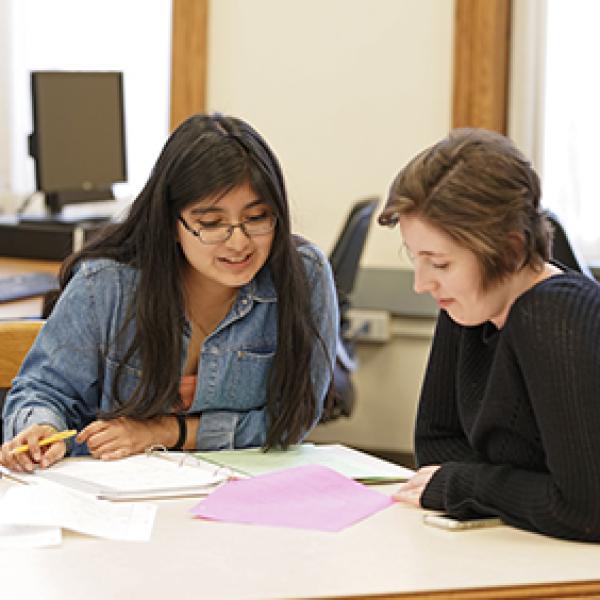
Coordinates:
[116,438]
[411,491]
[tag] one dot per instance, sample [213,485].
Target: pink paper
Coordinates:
[306,497]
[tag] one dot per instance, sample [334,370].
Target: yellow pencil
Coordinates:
[55,437]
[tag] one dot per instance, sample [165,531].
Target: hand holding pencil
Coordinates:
[55,437]
[36,446]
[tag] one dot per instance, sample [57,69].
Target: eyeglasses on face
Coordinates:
[218,233]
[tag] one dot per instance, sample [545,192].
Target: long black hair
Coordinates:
[207,155]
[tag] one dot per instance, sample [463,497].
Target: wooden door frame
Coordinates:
[482,30]
[189,59]
[482,34]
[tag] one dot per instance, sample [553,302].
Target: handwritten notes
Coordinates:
[306,497]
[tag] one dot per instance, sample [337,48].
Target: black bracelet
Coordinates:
[182,432]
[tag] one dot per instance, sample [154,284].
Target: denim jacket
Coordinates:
[67,376]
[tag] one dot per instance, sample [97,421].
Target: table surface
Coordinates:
[31,307]
[390,554]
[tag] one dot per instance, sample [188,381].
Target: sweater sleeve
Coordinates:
[439,435]
[554,338]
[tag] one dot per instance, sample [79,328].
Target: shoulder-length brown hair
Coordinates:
[479,189]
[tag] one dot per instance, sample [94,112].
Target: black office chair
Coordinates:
[563,250]
[345,262]
[347,251]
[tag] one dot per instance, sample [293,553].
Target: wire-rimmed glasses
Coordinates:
[221,232]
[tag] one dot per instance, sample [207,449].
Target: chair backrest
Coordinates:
[563,249]
[348,248]
[16,337]
[345,262]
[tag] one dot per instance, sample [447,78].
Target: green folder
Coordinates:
[347,461]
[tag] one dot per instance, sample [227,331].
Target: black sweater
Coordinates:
[513,415]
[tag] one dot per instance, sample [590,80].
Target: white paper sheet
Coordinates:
[48,504]
[29,536]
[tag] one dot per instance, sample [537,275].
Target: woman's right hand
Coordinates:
[36,456]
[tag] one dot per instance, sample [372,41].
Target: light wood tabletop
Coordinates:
[391,554]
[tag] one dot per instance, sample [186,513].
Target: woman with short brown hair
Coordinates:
[509,415]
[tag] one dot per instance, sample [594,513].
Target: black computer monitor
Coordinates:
[78,139]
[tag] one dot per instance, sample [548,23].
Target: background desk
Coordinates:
[31,307]
[392,554]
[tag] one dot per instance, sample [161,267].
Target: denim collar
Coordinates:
[261,288]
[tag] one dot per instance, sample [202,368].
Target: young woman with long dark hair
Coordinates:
[198,322]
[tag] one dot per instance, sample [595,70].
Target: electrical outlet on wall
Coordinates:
[369,325]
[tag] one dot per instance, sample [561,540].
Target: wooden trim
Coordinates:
[189,53]
[481,63]
[575,589]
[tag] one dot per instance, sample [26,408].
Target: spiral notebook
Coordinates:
[153,475]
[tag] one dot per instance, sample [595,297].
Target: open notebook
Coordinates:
[145,476]
[161,474]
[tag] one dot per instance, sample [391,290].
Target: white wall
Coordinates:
[90,35]
[5,113]
[345,91]
[527,78]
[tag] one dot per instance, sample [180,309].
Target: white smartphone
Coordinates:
[453,524]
